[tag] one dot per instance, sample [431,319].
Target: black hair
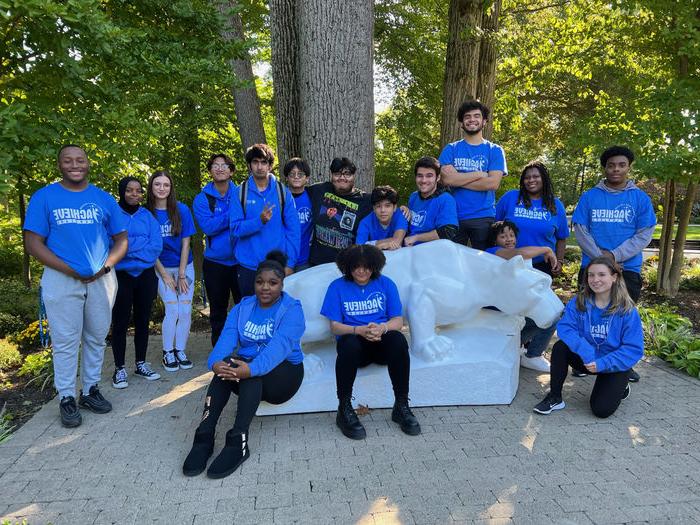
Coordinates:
[360,255]
[297,163]
[66,146]
[382,193]
[226,158]
[614,151]
[497,228]
[260,151]
[547,190]
[342,163]
[471,105]
[275,261]
[427,162]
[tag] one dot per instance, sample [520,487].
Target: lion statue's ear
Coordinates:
[514,264]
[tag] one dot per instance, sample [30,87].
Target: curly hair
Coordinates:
[471,105]
[614,151]
[381,193]
[360,256]
[499,227]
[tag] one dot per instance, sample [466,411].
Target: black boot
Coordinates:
[231,457]
[402,415]
[202,448]
[347,420]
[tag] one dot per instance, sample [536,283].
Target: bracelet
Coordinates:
[386,328]
[183,277]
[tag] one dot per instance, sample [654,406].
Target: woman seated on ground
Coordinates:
[364,309]
[503,239]
[258,357]
[600,333]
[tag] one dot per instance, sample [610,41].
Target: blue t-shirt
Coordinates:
[466,158]
[354,305]
[371,229]
[77,225]
[493,249]
[303,205]
[259,327]
[431,213]
[172,245]
[537,225]
[612,218]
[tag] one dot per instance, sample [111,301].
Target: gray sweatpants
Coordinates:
[78,314]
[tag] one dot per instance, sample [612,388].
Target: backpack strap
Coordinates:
[243,194]
[212,202]
[281,198]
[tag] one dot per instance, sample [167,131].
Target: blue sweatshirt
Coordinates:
[216,223]
[145,242]
[615,342]
[254,240]
[282,341]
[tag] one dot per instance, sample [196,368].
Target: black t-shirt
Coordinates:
[336,220]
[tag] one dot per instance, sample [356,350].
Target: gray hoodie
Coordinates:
[627,249]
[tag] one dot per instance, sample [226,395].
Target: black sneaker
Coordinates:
[70,413]
[95,401]
[579,373]
[169,362]
[548,404]
[633,376]
[626,393]
[144,370]
[402,415]
[348,422]
[119,378]
[182,360]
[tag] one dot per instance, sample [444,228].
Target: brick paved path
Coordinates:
[496,464]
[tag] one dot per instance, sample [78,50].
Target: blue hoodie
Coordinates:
[216,224]
[284,342]
[254,240]
[615,342]
[145,242]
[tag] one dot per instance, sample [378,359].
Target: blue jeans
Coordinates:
[536,338]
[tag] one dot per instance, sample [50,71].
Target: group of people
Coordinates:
[106,260]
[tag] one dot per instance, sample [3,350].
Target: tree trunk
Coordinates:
[679,242]
[336,100]
[285,66]
[461,63]
[245,95]
[665,244]
[486,84]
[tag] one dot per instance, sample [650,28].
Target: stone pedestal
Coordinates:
[483,370]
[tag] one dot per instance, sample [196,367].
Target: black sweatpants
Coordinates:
[220,281]
[633,282]
[277,386]
[474,232]
[609,386]
[139,293]
[355,352]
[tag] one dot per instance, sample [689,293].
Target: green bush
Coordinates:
[28,339]
[9,355]
[690,277]
[39,367]
[6,429]
[10,324]
[18,300]
[669,336]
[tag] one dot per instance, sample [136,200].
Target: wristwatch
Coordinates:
[107,269]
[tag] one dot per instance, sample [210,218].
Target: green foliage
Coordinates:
[690,276]
[18,300]
[9,355]
[6,429]
[10,324]
[29,338]
[669,336]
[690,273]
[39,367]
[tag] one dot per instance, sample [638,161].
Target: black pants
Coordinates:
[633,282]
[220,281]
[474,231]
[356,352]
[246,281]
[543,266]
[277,386]
[139,293]
[607,391]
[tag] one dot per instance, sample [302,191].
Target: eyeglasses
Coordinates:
[343,175]
[219,166]
[296,175]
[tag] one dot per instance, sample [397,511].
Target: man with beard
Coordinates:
[69,228]
[473,168]
[337,209]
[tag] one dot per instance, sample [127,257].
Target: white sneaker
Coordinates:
[538,363]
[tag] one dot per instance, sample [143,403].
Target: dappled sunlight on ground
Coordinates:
[531,431]
[634,433]
[381,511]
[176,393]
